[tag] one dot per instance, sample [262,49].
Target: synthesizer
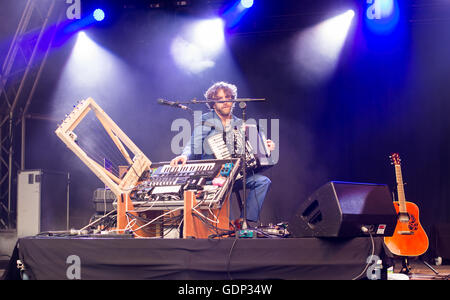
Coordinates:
[163,185]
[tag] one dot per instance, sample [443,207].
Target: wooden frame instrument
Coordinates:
[121,187]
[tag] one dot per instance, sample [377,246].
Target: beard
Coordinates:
[224,111]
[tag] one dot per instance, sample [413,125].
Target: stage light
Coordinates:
[350,13]
[90,59]
[88,20]
[84,47]
[91,70]
[334,31]
[247,3]
[209,35]
[317,49]
[234,14]
[99,15]
[194,49]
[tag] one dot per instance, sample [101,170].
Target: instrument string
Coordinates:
[98,145]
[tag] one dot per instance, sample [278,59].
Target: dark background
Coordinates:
[388,94]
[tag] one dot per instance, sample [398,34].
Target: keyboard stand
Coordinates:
[196,226]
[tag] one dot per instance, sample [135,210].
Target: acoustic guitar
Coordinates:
[409,238]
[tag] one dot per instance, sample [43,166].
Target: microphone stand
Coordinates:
[243,106]
[175,104]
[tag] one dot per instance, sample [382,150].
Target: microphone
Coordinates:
[173,104]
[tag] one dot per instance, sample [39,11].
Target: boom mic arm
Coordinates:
[173,104]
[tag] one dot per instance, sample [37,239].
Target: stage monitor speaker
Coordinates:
[42,202]
[346,209]
[103,200]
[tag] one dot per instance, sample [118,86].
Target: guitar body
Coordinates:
[409,238]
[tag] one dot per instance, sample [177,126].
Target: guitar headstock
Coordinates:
[395,159]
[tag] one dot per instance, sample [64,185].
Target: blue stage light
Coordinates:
[99,15]
[233,15]
[247,3]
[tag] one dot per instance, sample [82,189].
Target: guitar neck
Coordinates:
[400,189]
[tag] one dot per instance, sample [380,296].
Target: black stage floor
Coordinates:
[92,258]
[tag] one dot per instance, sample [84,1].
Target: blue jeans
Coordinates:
[256,188]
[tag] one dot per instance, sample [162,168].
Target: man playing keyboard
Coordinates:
[221,120]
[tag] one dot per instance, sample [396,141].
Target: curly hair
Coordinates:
[228,88]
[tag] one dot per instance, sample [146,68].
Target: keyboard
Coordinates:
[164,185]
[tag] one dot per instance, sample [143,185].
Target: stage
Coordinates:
[119,258]
[99,96]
